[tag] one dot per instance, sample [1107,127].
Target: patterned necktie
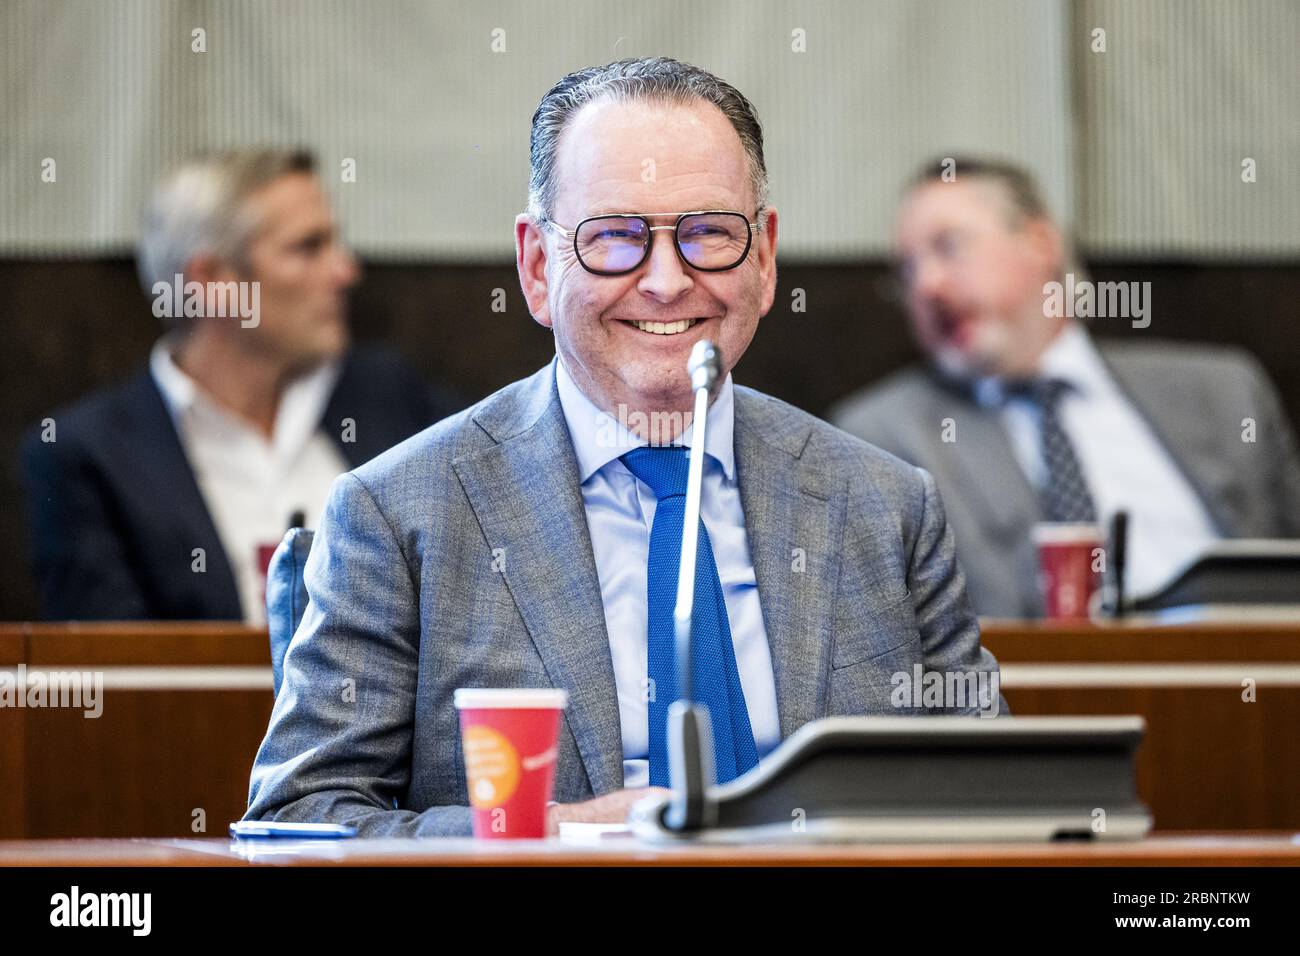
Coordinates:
[715,678]
[1064,495]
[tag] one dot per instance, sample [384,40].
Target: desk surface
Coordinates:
[1207,849]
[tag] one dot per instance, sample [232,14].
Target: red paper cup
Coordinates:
[1065,560]
[509,739]
[265,552]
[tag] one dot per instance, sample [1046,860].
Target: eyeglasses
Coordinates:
[708,240]
[950,247]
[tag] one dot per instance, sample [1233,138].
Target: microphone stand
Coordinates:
[691,768]
[1119,560]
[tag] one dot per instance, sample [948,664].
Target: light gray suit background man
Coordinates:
[464,557]
[1191,440]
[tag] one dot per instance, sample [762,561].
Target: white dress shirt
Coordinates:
[620,512]
[1123,461]
[250,485]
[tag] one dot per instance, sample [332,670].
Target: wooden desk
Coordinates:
[186,707]
[1272,849]
[1210,759]
[188,704]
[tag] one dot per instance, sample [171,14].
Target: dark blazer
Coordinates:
[116,511]
[1195,398]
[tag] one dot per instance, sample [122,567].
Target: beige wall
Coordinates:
[1141,144]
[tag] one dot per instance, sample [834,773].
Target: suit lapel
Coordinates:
[984,466]
[794,518]
[350,399]
[525,493]
[1180,435]
[166,480]
[379,424]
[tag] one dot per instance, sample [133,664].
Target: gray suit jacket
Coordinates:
[856,574]
[1194,397]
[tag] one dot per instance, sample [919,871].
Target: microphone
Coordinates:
[703,368]
[1119,560]
[690,734]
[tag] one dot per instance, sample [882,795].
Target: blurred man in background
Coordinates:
[1022,417]
[162,497]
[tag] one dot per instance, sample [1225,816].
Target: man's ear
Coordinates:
[1048,245]
[530,259]
[204,268]
[765,247]
[208,267]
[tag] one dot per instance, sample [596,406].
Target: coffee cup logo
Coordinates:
[492,766]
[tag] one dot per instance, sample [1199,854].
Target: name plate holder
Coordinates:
[927,779]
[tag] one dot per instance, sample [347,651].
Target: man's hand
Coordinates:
[609,808]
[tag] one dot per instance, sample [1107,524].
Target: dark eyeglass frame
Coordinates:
[572,235]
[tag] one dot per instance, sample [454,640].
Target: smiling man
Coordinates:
[516,545]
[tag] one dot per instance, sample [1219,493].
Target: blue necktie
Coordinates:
[715,678]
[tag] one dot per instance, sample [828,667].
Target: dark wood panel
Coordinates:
[12,644]
[156,643]
[13,774]
[1132,643]
[13,791]
[145,765]
[1209,760]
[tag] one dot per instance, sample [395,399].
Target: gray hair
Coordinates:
[653,79]
[199,208]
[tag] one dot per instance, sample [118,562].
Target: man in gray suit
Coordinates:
[1022,418]
[514,544]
